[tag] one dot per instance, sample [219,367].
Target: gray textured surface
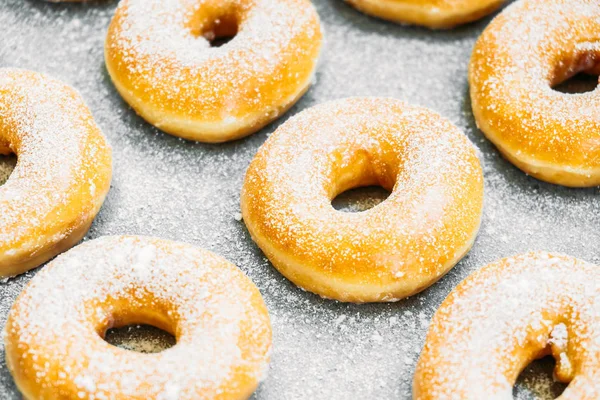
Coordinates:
[190,192]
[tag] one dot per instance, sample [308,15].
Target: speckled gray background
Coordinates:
[186,191]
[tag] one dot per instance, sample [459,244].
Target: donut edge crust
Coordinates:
[424,15]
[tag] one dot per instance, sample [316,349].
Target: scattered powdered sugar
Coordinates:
[166,187]
[211,307]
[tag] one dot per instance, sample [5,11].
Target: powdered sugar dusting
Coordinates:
[49,146]
[529,48]
[62,156]
[505,314]
[210,305]
[426,223]
[160,51]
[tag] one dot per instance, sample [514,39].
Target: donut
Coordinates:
[433,14]
[54,331]
[62,174]
[397,248]
[528,49]
[160,58]
[504,316]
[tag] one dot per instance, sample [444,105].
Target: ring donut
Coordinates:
[525,51]
[159,56]
[434,14]
[54,345]
[62,174]
[397,248]
[504,316]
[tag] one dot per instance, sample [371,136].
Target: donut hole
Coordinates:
[220,31]
[537,382]
[132,325]
[578,83]
[141,338]
[579,72]
[360,199]
[360,183]
[7,165]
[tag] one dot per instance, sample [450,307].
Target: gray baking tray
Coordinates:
[171,188]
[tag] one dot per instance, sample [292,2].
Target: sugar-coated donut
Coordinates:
[397,248]
[53,337]
[62,175]
[159,55]
[532,46]
[506,315]
[434,14]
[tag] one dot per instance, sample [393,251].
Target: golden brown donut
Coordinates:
[62,175]
[53,338]
[401,246]
[532,46]
[434,14]
[504,316]
[159,56]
